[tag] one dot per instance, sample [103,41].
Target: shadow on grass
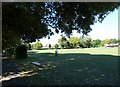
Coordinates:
[71,69]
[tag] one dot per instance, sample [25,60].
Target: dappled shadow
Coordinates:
[73,69]
[12,75]
[95,69]
[9,65]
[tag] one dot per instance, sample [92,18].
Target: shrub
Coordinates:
[21,52]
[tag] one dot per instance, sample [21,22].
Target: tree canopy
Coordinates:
[63,42]
[31,21]
[74,41]
[22,21]
[96,42]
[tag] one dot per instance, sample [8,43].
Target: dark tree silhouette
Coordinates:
[30,21]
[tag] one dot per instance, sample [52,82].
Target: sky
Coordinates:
[108,29]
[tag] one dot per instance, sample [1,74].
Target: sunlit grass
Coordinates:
[110,51]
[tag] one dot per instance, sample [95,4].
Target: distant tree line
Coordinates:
[83,42]
[66,43]
[74,42]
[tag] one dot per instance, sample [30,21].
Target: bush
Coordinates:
[21,52]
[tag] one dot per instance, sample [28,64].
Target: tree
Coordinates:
[103,42]
[37,46]
[82,42]
[31,21]
[113,40]
[62,42]
[96,43]
[22,21]
[85,42]
[88,42]
[78,15]
[118,40]
[107,41]
[74,41]
[68,45]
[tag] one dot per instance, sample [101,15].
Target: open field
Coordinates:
[89,66]
[109,51]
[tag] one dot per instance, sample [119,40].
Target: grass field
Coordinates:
[89,66]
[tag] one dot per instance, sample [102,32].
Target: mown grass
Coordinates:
[89,66]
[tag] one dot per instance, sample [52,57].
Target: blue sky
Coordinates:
[106,30]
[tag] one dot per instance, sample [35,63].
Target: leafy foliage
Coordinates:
[37,46]
[96,43]
[85,42]
[74,42]
[63,42]
[88,42]
[22,21]
[78,15]
[113,41]
[31,21]
[108,41]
